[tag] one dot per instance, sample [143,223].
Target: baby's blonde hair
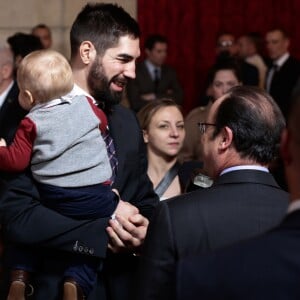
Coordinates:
[46,74]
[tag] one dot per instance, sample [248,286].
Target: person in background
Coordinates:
[154,79]
[43,32]
[227,47]
[22,44]
[284,72]
[11,54]
[163,129]
[240,138]
[104,48]
[267,267]
[248,49]
[11,113]
[223,75]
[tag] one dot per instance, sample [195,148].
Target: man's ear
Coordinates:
[145,136]
[225,138]
[285,147]
[87,52]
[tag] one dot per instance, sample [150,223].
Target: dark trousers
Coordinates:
[89,202]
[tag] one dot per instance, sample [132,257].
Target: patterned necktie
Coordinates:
[111,151]
[110,147]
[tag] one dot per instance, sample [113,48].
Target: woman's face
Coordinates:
[166,132]
[223,81]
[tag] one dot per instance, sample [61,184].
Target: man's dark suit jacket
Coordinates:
[267,267]
[241,204]
[11,114]
[283,83]
[28,222]
[250,75]
[143,84]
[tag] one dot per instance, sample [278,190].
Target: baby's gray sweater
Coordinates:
[69,150]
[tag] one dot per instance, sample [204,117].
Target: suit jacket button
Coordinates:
[75,247]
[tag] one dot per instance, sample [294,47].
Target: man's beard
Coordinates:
[99,86]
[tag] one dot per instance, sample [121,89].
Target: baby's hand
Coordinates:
[2,143]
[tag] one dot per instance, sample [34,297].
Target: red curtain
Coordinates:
[191,27]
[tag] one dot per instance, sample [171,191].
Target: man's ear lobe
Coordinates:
[87,52]
[226,138]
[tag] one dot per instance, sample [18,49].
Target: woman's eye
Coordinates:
[163,126]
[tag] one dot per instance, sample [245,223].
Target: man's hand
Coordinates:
[127,234]
[125,210]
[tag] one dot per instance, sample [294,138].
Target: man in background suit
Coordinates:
[102,63]
[267,267]
[154,79]
[11,112]
[240,139]
[43,32]
[284,72]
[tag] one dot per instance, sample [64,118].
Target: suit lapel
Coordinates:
[9,100]
[146,75]
[281,73]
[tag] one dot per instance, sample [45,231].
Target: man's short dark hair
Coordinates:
[103,25]
[284,33]
[22,44]
[153,39]
[255,120]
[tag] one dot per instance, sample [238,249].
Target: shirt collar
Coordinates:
[281,60]
[5,93]
[77,91]
[64,99]
[244,167]
[151,67]
[294,205]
